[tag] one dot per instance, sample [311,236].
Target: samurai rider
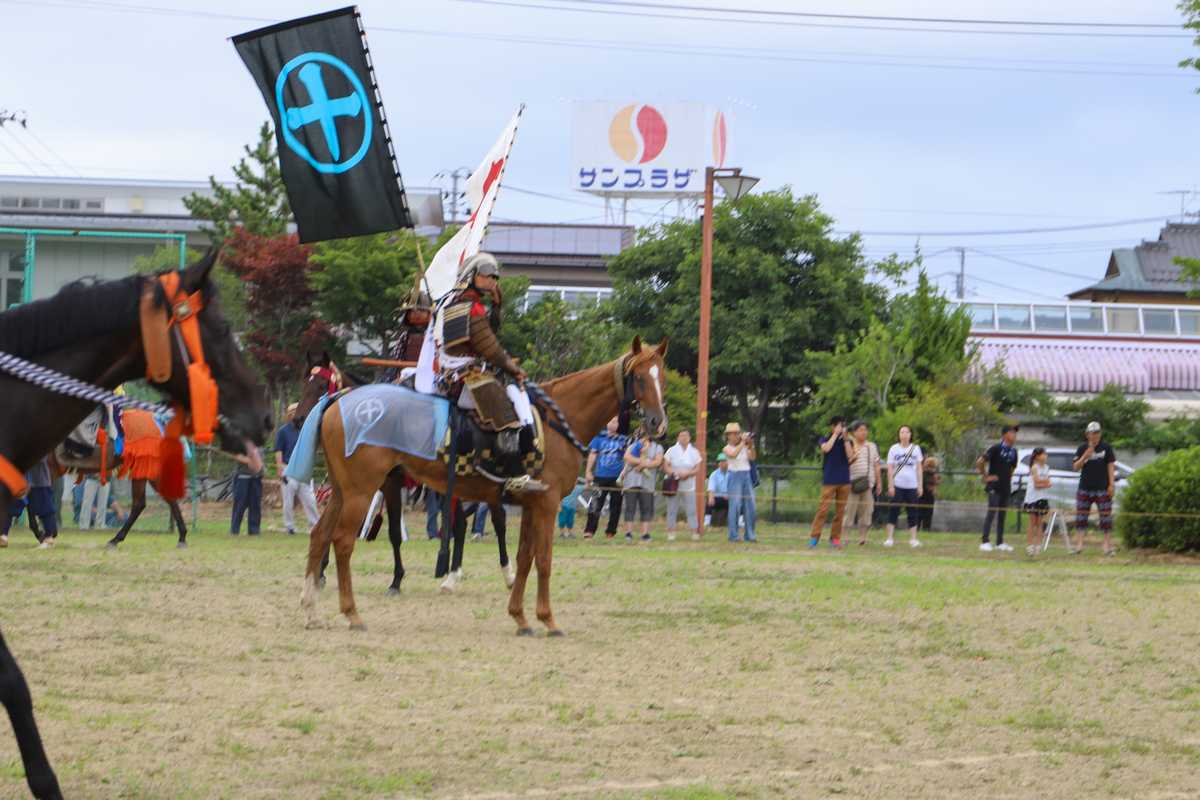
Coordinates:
[415,314]
[475,369]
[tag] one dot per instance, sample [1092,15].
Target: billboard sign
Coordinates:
[644,150]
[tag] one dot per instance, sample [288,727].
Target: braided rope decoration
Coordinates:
[59,383]
[548,401]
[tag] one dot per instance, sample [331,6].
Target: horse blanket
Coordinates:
[381,414]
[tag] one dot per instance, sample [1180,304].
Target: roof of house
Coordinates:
[1079,367]
[1151,267]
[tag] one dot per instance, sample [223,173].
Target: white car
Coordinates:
[1064,481]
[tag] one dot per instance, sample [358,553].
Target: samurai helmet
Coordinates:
[417,299]
[479,264]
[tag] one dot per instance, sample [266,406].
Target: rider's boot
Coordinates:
[519,482]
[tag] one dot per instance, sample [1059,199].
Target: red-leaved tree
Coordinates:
[282,323]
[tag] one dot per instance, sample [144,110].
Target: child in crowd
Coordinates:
[1037,499]
[566,512]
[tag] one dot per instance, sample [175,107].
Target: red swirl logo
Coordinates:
[638,133]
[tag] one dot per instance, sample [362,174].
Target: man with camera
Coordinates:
[835,483]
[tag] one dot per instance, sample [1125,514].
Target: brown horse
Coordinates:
[322,378]
[587,400]
[140,461]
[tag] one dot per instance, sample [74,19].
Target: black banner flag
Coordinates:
[335,151]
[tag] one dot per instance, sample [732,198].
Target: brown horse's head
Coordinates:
[242,402]
[646,381]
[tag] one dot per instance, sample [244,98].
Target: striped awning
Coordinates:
[1089,367]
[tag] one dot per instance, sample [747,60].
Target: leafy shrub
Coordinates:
[1168,486]
[1118,414]
[1175,433]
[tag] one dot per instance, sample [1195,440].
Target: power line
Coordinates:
[716,51]
[964,213]
[29,150]
[53,153]
[1027,265]
[870,17]
[17,159]
[1023,290]
[1015,232]
[827,25]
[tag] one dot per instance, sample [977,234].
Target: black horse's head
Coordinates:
[245,418]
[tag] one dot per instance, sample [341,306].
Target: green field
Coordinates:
[690,670]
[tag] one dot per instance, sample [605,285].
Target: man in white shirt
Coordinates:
[682,463]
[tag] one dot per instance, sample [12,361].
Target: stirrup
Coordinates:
[523,484]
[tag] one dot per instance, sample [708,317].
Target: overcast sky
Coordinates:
[1024,132]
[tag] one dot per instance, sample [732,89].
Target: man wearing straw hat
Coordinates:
[285,442]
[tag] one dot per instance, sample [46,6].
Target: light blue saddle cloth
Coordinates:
[387,415]
[379,414]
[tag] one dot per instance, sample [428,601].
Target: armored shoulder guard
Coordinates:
[456,324]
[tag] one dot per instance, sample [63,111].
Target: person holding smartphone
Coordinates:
[739,450]
[1095,462]
[835,483]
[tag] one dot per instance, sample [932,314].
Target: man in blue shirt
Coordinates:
[835,483]
[285,443]
[718,493]
[606,460]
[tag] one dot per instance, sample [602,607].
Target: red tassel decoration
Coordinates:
[172,480]
[102,443]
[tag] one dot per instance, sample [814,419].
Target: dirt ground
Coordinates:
[690,670]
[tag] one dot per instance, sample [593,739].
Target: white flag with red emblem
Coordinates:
[482,188]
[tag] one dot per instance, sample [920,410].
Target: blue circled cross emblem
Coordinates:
[323,110]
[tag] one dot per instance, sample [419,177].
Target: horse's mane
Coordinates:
[80,310]
[634,361]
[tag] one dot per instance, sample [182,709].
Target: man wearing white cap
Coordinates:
[1095,462]
[285,442]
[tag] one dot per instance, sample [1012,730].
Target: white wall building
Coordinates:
[57,230]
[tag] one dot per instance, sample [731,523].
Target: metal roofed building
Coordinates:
[1074,349]
[564,259]
[1148,273]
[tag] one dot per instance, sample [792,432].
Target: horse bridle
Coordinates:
[178,323]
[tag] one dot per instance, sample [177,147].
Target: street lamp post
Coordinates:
[735,186]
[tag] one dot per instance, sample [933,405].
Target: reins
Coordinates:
[624,395]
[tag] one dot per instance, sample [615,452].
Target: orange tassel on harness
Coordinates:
[202,389]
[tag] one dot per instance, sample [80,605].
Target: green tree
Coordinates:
[1176,433]
[257,201]
[1191,17]
[230,289]
[863,380]
[554,338]
[362,281]
[1013,395]
[283,321]
[922,340]
[937,329]
[947,417]
[784,286]
[1118,415]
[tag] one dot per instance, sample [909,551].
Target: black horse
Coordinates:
[91,330]
[316,385]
